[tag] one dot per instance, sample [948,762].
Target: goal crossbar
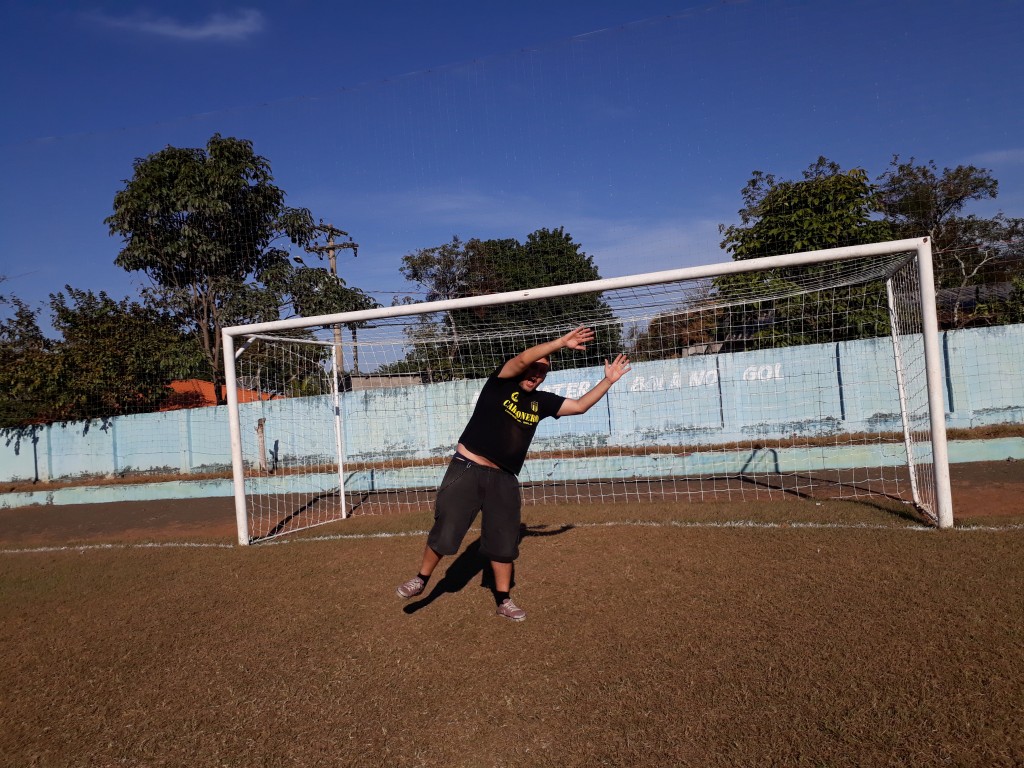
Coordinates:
[590,286]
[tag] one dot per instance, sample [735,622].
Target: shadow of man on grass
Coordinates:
[471,563]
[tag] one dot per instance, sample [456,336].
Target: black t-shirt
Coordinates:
[504,420]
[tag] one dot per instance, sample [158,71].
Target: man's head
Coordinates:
[534,376]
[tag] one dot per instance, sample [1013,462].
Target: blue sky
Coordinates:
[633,125]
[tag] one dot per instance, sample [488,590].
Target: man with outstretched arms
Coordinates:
[482,475]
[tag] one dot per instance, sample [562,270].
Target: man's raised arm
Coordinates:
[576,339]
[613,371]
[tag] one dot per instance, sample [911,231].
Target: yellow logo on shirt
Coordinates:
[521,416]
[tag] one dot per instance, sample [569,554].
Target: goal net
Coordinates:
[810,375]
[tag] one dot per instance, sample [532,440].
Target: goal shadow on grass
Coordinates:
[803,485]
[282,525]
[294,521]
[470,564]
[863,494]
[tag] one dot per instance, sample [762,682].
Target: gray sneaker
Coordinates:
[411,588]
[510,610]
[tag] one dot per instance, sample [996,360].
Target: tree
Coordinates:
[828,208]
[920,202]
[444,273]
[112,358]
[317,292]
[25,380]
[475,340]
[549,257]
[1003,309]
[969,251]
[115,357]
[690,329]
[977,259]
[201,224]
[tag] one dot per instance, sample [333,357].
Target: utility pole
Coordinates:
[331,248]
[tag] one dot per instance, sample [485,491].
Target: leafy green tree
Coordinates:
[918,201]
[680,332]
[827,208]
[1000,310]
[111,358]
[974,277]
[26,384]
[317,292]
[547,258]
[202,225]
[115,357]
[1014,306]
[970,252]
[476,340]
[443,271]
[976,258]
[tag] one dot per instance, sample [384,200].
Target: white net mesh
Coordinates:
[788,383]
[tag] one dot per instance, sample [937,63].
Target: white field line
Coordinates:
[91,547]
[751,524]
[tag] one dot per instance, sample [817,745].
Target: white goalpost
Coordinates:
[811,375]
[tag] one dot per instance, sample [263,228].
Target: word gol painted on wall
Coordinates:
[762,372]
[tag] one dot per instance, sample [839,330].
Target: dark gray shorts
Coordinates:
[466,489]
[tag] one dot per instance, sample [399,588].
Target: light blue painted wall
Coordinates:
[995,357]
[692,401]
[1000,449]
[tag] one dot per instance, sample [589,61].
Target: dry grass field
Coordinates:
[796,633]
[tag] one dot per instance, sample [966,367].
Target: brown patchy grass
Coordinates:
[666,641]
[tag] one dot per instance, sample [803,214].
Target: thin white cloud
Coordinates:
[620,246]
[466,212]
[236,26]
[1000,157]
[630,247]
[389,225]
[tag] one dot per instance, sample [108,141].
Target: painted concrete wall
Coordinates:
[814,390]
[999,449]
[173,442]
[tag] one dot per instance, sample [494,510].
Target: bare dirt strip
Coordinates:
[981,491]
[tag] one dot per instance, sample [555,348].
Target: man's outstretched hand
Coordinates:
[578,338]
[617,368]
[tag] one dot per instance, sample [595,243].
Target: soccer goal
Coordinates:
[812,375]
